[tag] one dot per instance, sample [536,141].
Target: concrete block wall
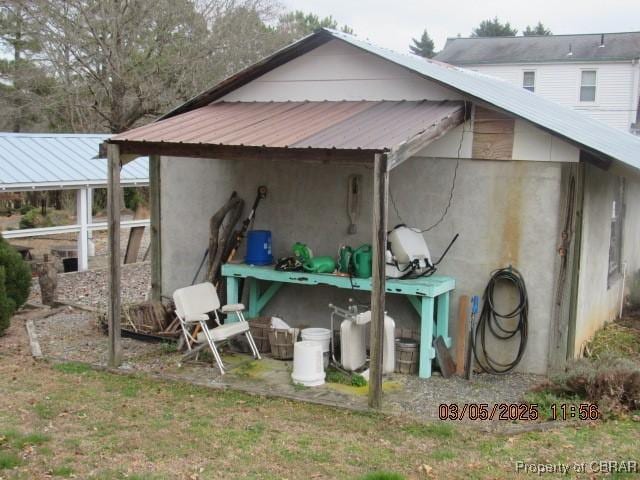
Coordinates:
[505,211]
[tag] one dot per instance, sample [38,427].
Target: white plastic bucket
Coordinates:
[308,369]
[321,336]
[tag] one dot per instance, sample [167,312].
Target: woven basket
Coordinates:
[260,327]
[281,342]
[407,356]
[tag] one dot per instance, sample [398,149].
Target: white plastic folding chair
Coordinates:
[193,303]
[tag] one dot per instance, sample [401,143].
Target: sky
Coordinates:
[393,24]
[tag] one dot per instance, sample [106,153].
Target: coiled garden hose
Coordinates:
[494,322]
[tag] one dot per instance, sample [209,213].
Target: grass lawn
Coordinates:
[68,421]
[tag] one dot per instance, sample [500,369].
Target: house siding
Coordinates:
[616,91]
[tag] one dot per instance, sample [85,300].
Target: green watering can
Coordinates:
[361,261]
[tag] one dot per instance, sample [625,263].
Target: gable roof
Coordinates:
[58,160]
[575,127]
[593,47]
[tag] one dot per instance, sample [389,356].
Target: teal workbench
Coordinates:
[428,295]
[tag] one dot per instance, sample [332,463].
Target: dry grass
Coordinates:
[66,420]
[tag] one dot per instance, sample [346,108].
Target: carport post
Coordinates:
[113,208]
[82,219]
[379,244]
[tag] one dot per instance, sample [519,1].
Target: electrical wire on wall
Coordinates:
[451,190]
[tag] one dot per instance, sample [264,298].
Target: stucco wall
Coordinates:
[505,212]
[598,296]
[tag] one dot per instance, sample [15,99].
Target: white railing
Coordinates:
[40,232]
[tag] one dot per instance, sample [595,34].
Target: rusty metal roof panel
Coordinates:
[361,125]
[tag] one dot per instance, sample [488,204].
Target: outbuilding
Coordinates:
[525,183]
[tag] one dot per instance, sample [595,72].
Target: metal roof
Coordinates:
[597,47]
[575,127]
[562,121]
[40,160]
[323,125]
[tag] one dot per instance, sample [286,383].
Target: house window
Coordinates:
[529,81]
[617,219]
[588,86]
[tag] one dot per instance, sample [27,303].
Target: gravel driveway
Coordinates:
[90,288]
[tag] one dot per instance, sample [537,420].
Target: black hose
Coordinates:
[493,321]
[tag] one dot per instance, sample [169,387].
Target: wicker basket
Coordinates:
[281,342]
[407,355]
[260,327]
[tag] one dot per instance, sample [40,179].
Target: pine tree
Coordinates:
[423,47]
[24,83]
[539,29]
[494,28]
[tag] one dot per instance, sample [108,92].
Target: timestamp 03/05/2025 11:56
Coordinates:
[516,411]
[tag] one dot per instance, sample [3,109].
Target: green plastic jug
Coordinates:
[320,265]
[361,260]
[301,252]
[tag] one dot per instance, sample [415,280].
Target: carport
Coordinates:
[382,134]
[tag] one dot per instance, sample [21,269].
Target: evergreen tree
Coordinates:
[494,28]
[423,47]
[23,83]
[299,24]
[539,29]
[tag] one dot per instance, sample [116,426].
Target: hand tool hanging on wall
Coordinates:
[475,308]
[234,206]
[354,198]
[240,234]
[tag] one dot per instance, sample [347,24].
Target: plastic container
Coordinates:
[308,368]
[389,345]
[259,248]
[353,345]
[322,336]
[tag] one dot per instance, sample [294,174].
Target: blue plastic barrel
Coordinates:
[259,248]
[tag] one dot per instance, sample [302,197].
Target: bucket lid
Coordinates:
[406,342]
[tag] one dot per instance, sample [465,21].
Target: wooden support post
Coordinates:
[113,208]
[156,249]
[82,219]
[379,244]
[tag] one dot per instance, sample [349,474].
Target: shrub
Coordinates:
[611,382]
[34,219]
[15,282]
[634,290]
[4,304]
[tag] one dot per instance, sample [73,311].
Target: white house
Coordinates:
[524,181]
[598,74]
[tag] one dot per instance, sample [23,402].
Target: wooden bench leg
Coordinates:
[427,353]
[442,319]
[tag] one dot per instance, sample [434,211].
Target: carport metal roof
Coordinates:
[52,161]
